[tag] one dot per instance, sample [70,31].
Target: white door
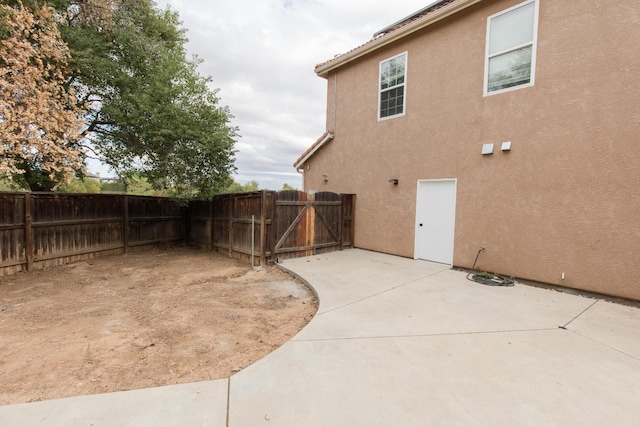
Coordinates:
[435,220]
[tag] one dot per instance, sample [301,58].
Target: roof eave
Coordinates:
[323,70]
[321,142]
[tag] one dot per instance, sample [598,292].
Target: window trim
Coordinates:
[404,84]
[533,44]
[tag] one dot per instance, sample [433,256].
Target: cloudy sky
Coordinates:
[261,55]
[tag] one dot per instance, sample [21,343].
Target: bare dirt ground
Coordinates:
[141,320]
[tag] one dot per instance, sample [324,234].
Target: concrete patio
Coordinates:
[398,342]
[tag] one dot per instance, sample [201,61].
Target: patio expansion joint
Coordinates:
[228,400]
[604,344]
[378,293]
[439,334]
[578,315]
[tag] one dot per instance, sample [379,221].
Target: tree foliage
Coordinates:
[152,113]
[81,185]
[235,187]
[40,118]
[148,111]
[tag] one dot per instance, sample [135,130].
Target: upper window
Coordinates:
[392,86]
[511,35]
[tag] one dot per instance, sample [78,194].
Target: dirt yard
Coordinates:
[141,320]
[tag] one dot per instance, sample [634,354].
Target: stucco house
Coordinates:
[504,124]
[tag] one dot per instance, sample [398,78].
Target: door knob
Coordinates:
[420,224]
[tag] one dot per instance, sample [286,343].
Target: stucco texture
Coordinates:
[565,199]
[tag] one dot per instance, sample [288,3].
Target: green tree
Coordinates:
[140,186]
[114,187]
[162,120]
[251,186]
[235,187]
[81,185]
[286,187]
[149,112]
[7,184]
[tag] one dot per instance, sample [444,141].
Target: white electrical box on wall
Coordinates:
[506,146]
[487,149]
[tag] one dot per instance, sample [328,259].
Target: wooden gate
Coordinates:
[265,225]
[308,224]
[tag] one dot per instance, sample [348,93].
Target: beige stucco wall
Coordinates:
[566,198]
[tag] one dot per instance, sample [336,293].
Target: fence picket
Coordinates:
[288,224]
[43,229]
[47,229]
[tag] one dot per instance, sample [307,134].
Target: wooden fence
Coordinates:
[226,222]
[265,225]
[43,229]
[39,230]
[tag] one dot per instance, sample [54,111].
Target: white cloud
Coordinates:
[261,54]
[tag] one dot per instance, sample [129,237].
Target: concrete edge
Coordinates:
[566,290]
[303,280]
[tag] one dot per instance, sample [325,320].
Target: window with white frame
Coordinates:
[511,38]
[392,86]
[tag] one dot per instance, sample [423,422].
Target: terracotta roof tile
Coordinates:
[412,18]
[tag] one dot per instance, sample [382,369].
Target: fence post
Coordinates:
[263,229]
[352,220]
[310,232]
[211,227]
[28,232]
[186,215]
[253,238]
[232,202]
[125,225]
[341,227]
[274,226]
